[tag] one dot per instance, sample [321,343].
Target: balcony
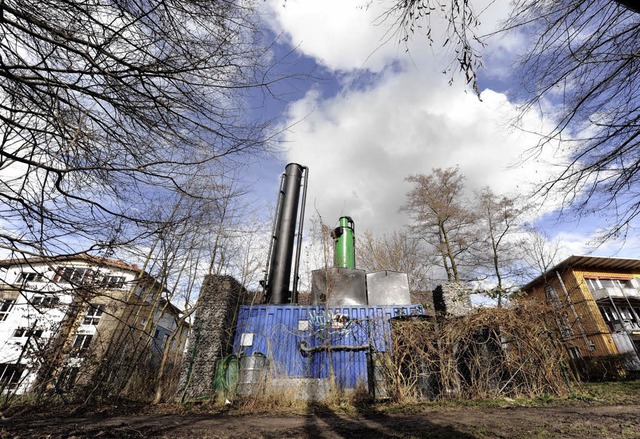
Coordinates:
[616,293]
[625,325]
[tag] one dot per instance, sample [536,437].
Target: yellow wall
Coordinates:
[590,325]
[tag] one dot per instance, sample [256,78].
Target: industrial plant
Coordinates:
[335,343]
[360,332]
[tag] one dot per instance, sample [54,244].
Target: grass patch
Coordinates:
[282,403]
[609,392]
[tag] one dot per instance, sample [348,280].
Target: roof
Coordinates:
[81,257]
[590,262]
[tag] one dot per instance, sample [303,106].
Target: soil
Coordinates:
[575,421]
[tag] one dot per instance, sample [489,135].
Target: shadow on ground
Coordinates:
[323,421]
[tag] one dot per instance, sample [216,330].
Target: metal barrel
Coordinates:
[252,374]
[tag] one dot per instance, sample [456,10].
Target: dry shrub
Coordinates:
[489,353]
[603,368]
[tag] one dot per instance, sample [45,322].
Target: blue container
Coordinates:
[311,341]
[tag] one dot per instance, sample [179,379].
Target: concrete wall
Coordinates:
[452,299]
[212,334]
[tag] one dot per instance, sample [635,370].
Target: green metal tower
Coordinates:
[345,241]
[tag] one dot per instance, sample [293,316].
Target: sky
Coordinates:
[363,111]
[380,111]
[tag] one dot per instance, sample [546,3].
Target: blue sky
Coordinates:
[380,113]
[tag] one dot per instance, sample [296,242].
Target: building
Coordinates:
[61,318]
[595,303]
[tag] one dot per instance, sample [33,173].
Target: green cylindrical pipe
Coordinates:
[344,239]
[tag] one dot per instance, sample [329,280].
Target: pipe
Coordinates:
[279,276]
[276,220]
[325,347]
[296,269]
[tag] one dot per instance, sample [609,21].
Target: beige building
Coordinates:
[65,320]
[595,304]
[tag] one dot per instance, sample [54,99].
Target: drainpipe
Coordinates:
[575,314]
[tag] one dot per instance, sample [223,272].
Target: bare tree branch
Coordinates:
[106,108]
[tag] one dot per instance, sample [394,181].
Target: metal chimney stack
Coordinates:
[283,238]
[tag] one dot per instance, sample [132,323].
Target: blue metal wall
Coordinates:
[278,332]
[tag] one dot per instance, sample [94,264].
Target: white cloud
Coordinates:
[346,35]
[339,34]
[361,144]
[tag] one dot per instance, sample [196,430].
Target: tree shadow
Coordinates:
[369,422]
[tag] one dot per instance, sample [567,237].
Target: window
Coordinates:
[597,284]
[614,322]
[629,319]
[81,343]
[552,295]
[5,308]
[608,314]
[87,276]
[626,283]
[625,313]
[24,332]
[10,375]
[160,338]
[94,313]
[112,281]
[593,285]
[30,277]
[45,301]
[75,275]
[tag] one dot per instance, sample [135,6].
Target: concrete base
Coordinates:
[305,389]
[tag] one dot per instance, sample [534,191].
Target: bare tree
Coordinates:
[440,216]
[399,252]
[541,253]
[106,108]
[583,71]
[462,19]
[498,251]
[137,360]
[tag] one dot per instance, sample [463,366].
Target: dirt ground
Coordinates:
[576,421]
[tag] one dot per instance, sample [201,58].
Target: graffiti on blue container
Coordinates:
[327,321]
